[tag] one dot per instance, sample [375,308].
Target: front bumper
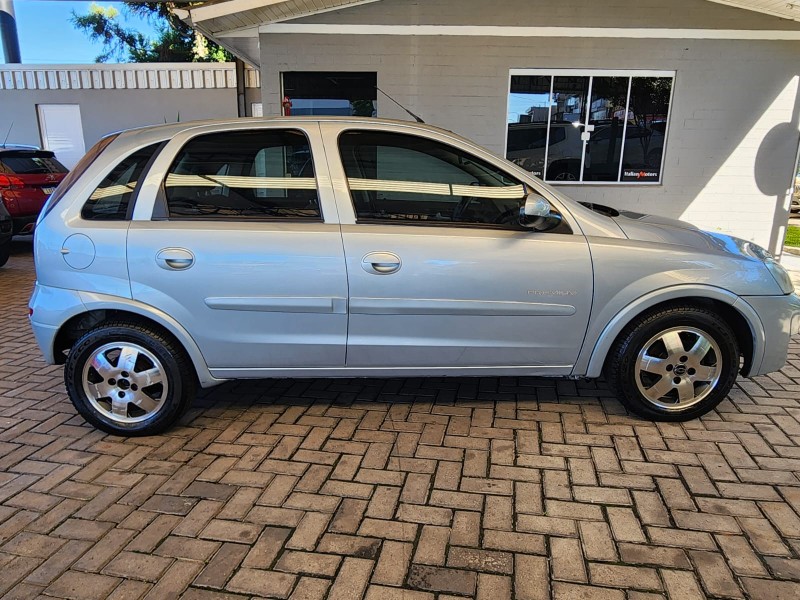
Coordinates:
[780,320]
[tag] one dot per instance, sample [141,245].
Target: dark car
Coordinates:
[27,178]
[5,234]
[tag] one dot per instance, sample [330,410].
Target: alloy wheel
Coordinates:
[125,382]
[678,368]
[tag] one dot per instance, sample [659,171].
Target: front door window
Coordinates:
[397,178]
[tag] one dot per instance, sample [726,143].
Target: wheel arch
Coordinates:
[744,321]
[101,309]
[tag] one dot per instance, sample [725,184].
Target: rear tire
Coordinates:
[129,379]
[674,364]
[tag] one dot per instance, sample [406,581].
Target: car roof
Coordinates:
[166,131]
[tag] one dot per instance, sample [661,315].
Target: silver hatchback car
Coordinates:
[189,254]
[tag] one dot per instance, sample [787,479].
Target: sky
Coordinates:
[46,34]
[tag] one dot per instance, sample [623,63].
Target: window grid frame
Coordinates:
[592,73]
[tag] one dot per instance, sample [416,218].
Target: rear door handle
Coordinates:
[381,263]
[174,259]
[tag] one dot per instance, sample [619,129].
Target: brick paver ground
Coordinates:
[389,489]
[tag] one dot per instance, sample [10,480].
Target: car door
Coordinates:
[235,236]
[441,274]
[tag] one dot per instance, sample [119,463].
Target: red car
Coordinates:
[27,178]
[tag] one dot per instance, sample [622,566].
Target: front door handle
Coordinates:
[381,263]
[174,259]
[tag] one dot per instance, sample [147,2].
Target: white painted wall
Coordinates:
[112,97]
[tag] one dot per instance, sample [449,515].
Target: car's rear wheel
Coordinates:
[129,379]
[674,364]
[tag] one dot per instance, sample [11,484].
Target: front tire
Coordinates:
[674,364]
[129,379]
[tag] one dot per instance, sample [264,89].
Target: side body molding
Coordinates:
[488,308]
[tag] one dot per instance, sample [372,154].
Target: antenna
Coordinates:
[8,133]
[416,118]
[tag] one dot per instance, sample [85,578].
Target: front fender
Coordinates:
[606,326]
[94,301]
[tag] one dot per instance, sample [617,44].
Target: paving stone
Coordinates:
[308,563]
[133,565]
[715,575]
[393,563]
[437,579]
[487,561]
[262,583]
[82,586]
[352,579]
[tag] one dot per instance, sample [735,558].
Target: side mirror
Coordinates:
[537,214]
[536,206]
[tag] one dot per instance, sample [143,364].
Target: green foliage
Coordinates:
[793,236]
[175,41]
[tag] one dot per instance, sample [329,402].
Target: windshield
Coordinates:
[75,174]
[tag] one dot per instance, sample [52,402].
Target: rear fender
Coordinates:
[94,301]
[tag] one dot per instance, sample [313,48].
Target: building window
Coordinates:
[594,127]
[330,93]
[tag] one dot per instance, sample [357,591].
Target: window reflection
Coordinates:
[644,143]
[398,178]
[567,116]
[603,151]
[266,174]
[330,93]
[110,200]
[529,112]
[627,118]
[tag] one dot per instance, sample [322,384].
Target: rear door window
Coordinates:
[266,174]
[30,162]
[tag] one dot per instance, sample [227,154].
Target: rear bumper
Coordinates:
[24,225]
[780,320]
[51,308]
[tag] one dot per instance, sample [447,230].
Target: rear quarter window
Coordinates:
[110,201]
[76,173]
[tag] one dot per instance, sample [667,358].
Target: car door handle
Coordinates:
[381,263]
[174,259]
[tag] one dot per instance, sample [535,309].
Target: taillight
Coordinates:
[10,182]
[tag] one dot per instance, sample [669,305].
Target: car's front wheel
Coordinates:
[674,364]
[129,379]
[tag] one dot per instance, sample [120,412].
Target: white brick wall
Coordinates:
[733,134]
